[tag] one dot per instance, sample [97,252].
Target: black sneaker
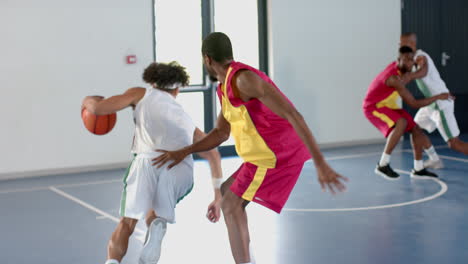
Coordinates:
[423,174]
[387,172]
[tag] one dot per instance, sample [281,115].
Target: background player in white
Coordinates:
[160,123]
[439,115]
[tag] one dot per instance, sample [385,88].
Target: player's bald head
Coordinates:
[409,39]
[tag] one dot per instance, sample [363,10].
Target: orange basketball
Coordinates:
[98,125]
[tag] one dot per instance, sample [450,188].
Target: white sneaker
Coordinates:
[152,248]
[433,164]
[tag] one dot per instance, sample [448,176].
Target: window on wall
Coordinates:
[239,20]
[179,28]
[178,35]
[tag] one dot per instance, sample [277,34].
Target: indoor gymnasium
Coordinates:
[247,131]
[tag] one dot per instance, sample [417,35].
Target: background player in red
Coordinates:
[383,111]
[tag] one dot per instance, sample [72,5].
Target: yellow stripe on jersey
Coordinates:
[384,118]
[250,145]
[249,194]
[391,101]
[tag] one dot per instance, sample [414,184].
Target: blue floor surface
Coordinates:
[69,218]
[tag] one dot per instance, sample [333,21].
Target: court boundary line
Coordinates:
[69,185]
[442,191]
[448,157]
[350,156]
[94,209]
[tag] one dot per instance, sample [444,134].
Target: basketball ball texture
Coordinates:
[98,125]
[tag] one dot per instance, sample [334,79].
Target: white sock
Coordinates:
[432,153]
[384,160]
[112,261]
[418,165]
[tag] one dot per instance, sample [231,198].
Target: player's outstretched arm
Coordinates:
[214,159]
[409,99]
[100,106]
[216,136]
[250,85]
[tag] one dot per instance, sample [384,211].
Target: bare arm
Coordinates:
[100,106]
[216,136]
[214,159]
[421,72]
[250,85]
[408,98]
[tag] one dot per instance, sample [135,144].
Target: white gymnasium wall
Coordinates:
[52,54]
[324,56]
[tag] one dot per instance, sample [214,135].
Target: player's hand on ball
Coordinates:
[214,211]
[329,179]
[176,156]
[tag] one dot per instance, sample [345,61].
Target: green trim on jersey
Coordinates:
[425,91]
[124,193]
[187,193]
[445,125]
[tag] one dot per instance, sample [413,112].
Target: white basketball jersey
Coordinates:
[432,84]
[161,123]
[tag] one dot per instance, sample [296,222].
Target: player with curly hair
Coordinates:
[160,123]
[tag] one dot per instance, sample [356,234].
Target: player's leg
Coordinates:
[135,203]
[417,141]
[395,137]
[424,119]
[458,145]
[118,243]
[235,217]
[133,206]
[392,126]
[383,167]
[150,216]
[448,128]
[151,250]
[172,185]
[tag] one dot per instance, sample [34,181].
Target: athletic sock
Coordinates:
[384,160]
[112,261]
[418,165]
[432,153]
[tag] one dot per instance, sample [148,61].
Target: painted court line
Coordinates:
[94,209]
[87,183]
[42,188]
[24,190]
[443,189]
[447,157]
[367,154]
[453,158]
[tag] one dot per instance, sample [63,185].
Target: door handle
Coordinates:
[445,58]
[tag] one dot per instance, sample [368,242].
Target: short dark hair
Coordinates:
[165,74]
[217,46]
[405,50]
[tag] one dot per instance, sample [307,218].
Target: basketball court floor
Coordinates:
[69,218]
